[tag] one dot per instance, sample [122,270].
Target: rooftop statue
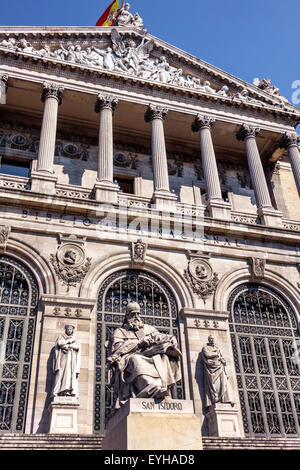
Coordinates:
[125,18]
[144,363]
[265,85]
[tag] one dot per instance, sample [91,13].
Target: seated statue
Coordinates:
[144,362]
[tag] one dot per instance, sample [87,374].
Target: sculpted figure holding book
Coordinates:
[144,363]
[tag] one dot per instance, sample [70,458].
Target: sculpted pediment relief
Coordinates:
[139,55]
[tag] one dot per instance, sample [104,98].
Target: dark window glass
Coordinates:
[126,185]
[15,167]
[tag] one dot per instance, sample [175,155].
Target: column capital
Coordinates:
[106,102]
[4,78]
[289,140]
[247,131]
[202,122]
[52,90]
[155,112]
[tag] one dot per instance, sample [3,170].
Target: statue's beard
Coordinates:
[135,324]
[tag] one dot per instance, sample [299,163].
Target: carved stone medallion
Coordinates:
[201,277]
[70,263]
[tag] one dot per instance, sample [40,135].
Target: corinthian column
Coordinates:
[263,200]
[43,179]
[290,142]
[162,196]
[52,97]
[216,206]
[3,88]
[105,189]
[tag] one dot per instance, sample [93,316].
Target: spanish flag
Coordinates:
[108,17]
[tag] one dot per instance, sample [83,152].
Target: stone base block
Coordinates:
[219,210]
[43,183]
[270,217]
[106,192]
[63,415]
[164,201]
[146,424]
[223,421]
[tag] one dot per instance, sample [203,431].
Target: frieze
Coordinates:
[71,308]
[135,58]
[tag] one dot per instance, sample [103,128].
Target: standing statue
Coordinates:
[124,17]
[144,363]
[66,366]
[217,388]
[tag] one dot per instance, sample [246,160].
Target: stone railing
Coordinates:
[132,201]
[74,192]
[242,218]
[291,225]
[14,182]
[190,210]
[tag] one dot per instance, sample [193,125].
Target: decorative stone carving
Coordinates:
[289,140]
[155,112]
[125,18]
[4,80]
[202,122]
[257,268]
[200,276]
[4,234]
[216,384]
[127,160]
[66,365]
[138,252]
[247,131]
[106,102]
[148,359]
[52,90]
[265,85]
[70,262]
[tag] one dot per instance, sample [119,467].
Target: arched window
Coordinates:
[264,336]
[18,302]
[159,309]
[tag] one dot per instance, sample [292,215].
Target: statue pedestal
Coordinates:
[223,421]
[63,415]
[149,424]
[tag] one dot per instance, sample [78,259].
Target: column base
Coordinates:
[219,209]
[147,424]
[106,192]
[63,415]
[223,421]
[270,217]
[43,183]
[164,200]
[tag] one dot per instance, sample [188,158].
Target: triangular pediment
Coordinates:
[134,55]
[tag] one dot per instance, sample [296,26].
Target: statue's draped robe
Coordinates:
[140,372]
[66,366]
[217,388]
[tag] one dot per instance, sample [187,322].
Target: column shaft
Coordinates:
[159,156]
[51,96]
[105,106]
[248,134]
[209,163]
[290,142]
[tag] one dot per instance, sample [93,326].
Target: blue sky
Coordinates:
[254,38]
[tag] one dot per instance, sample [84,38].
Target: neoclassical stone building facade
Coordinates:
[133,171]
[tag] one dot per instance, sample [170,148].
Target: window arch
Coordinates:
[18,302]
[264,335]
[158,308]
